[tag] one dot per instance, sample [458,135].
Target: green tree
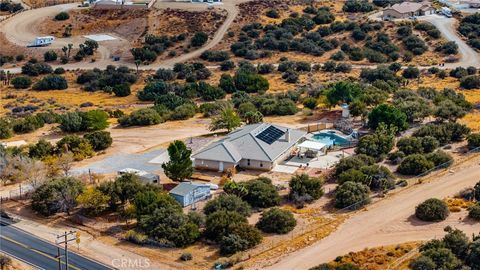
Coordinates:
[126,187]
[199,39]
[71,122]
[50,56]
[220,224]
[253,117]
[415,164]
[227,202]
[238,189]
[58,195]
[276,220]
[227,84]
[227,119]
[41,149]
[473,140]
[343,92]
[448,110]
[141,117]
[121,90]
[477,191]
[432,210]
[389,115]
[474,255]
[301,185]
[457,241]
[353,162]
[62,16]
[93,201]
[80,147]
[261,193]
[170,224]
[179,167]
[148,200]
[352,195]
[474,212]
[99,140]
[443,258]
[21,82]
[422,263]
[242,236]
[377,145]
[358,108]
[95,120]
[250,82]
[6,129]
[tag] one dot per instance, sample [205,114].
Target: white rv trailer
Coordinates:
[42,41]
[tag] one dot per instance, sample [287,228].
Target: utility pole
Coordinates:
[66,239]
[59,256]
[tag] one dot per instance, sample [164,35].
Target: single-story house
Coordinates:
[406,10]
[258,146]
[187,193]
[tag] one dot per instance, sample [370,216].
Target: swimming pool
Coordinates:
[331,138]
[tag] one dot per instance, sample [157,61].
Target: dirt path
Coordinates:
[390,221]
[447,26]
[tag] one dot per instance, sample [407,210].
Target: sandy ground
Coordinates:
[391,220]
[138,139]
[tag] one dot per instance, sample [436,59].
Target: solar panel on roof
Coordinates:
[270,134]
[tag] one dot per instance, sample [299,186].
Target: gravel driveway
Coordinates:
[447,26]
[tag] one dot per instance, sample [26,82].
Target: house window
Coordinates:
[261,164]
[248,162]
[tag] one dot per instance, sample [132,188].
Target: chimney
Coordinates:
[287,135]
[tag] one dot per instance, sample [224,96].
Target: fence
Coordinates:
[20,193]
[316,127]
[311,230]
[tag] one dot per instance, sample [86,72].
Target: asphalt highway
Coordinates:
[39,253]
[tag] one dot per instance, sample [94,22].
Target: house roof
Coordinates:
[185,188]
[243,143]
[407,7]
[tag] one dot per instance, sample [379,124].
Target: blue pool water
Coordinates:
[328,138]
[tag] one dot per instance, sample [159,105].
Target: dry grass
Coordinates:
[457,204]
[378,258]
[71,98]
[318,228]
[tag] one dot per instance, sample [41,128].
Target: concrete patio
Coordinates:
[322,162]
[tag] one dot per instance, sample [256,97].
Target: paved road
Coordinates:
[447,26]
[38,252]
[390,221]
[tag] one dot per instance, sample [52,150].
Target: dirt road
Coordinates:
[21,30]
[447,26]
[390,221]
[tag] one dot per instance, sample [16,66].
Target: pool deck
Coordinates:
[322,162]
